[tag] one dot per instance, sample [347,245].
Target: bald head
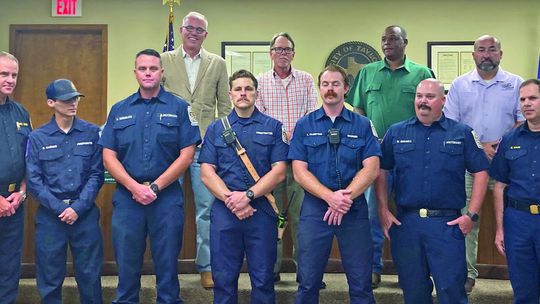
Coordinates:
[487,38]
[429,101]
[432,82]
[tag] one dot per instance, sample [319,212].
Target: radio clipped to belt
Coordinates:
[230,139]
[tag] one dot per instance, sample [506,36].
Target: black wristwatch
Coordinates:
[473,216]
[250,194]
[154,187]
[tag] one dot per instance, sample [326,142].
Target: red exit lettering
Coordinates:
[66,7]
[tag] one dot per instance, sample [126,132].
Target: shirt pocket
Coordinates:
[124,131]
[50,162]
[226,155]
[84,153]
[453,156]
[513,155]
[316,147]
[452,149]
[167,133]
[403,154]
[373,93]
[351,151]
[263,145]
[408,89]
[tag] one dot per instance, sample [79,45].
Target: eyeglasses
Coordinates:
[198,30]
[281,50]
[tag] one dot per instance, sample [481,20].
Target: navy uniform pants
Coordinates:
[230,239]
[163,222]
[315,238]
[85,241]
[11,239]
[428,246]
[522,244]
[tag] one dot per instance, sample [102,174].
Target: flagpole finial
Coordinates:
[171,4]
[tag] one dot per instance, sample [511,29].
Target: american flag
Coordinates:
[169,39]
[538,75]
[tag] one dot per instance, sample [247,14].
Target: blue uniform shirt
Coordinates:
[430,162]
[517,163]
[333,165]
[65,166]
[15,127]
[260,135]
[147,135]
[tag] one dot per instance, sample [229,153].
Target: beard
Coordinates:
[488,65]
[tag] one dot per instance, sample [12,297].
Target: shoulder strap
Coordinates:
[242,153]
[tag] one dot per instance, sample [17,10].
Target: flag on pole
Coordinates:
[538,75]
[169,39]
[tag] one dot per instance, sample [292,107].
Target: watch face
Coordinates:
[250,194]
[154,188]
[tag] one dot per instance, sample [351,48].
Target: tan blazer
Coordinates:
[211,90]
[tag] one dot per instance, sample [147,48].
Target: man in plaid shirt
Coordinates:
[286,94]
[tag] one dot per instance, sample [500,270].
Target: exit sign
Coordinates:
[66,8]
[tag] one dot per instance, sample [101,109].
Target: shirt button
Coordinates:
[69,170]
[68,156]
[147,113]
[146,126]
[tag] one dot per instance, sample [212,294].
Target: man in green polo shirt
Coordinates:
[384,91]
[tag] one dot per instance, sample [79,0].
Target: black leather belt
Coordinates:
[10,187]
[526,206]
[424,212]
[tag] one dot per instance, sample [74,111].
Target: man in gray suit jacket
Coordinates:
[200,78]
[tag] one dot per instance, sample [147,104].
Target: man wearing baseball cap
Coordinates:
[65,172]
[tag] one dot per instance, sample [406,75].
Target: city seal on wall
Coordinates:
[353,56]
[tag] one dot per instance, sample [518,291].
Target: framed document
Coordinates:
[450,59]
[251,56]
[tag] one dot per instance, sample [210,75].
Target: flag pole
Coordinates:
[169,38]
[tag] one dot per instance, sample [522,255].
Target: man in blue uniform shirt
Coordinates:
[65,173]
[516,168]
[14,129]
[335,157]
[148,142]
[243,221]
[429,154]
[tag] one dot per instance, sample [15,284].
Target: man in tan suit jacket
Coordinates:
[200,78]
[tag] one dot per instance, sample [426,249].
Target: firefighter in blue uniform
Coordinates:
[516,168]
[65,173]
[148,142]
[242,219]
[14,129]
[335,157]
[430,153]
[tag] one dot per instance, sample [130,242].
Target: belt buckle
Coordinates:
[423,212]
[146,183]
[12,187]
[67,201]
[533,209]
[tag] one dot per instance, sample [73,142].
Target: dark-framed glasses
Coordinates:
[281,50]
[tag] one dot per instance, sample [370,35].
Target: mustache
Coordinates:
[330,93]
[423,106]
